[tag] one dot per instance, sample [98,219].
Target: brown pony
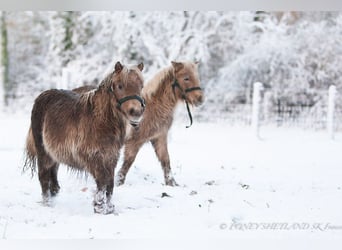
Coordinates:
[85,131]
[176,83]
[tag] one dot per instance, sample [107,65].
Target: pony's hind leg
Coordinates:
[131,151]
[44,173]
[160,146]
[54,185]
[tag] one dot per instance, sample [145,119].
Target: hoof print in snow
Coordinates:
[210,183]
[249,203]
[165,195]
[193,192]
[244,186]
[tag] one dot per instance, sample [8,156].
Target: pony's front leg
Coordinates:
[102,202]
[105,182]
[160,146]
[109,193]
[131,151]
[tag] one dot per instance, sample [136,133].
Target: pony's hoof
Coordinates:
[119,181]
[104,209]
[54,190]
[46,200]
[171,182]
[110,208]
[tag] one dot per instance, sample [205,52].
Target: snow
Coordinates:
[226,176]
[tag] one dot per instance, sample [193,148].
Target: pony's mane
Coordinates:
[151,87]
[87,98]
[106,81]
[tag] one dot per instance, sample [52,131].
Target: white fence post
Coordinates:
[256,108]
[66,78]
[331,109]
[2,89]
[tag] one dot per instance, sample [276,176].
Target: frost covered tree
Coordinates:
[5,87]
[291,56]
[296,55]
[61,44]
[27,51]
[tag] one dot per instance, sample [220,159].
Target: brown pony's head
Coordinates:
[187,83]
[126,84]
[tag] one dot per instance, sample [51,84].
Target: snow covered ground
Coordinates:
[232,186]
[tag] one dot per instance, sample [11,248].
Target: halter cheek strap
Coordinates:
[175,85]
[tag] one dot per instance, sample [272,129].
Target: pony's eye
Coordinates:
[186,78]
[119,86]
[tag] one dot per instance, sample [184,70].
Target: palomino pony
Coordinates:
[85,131]
[176,83]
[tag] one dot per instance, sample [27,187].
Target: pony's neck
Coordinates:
[159,89]
[103,107]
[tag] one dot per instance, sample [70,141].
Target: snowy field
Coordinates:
[232,186]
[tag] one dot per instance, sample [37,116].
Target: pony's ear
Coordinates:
[118,67]
[177,65]
[141,66]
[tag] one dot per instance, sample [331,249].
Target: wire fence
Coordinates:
[303,115]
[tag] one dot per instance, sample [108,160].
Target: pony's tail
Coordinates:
[30,153]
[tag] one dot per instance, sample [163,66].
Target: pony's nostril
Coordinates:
[200,99]
[135,112]
[141,111]
[132,111]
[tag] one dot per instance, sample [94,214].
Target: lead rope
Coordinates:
[176,84]
[189,113]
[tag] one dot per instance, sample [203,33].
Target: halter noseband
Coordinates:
[175,84]
[131,97]
[127,98]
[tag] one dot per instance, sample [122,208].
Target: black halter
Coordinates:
[127,98]
[131,97]
[175,84]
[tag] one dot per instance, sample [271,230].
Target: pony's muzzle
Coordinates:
[135,112]
[133,106]
[199,100]
[196,99]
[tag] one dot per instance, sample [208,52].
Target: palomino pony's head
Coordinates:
[126,83]
[187,83]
